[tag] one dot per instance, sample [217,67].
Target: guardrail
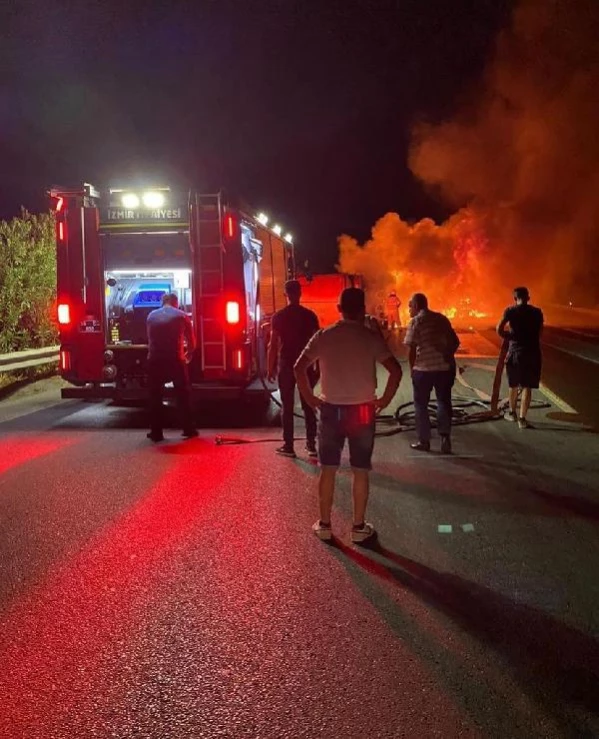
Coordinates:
[28,358]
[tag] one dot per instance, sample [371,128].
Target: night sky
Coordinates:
[303,109]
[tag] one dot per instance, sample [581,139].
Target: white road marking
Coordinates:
[444,528]
[556,400]
[467,527]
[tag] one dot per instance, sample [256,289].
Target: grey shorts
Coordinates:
[357,424]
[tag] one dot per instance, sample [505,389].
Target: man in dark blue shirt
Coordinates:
[291,329]
[171,343]
[524,359]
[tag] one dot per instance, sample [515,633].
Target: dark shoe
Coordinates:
[421,446]
[189,434]
[311,449]
[155,437]
[285,451]
[445,445]
[524,424]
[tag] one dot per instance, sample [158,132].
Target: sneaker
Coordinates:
[445,445]
[286,451]
[311,449]
[421,446]
[524,424]
[510,416]
[360,534]
[322,530]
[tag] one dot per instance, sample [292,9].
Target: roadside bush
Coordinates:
[27,282]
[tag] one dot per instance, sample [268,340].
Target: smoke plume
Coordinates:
[520,162]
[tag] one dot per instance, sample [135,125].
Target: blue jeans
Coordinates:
[423,384]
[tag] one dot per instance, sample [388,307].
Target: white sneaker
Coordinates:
[510,416]
[322,530]
[362,533]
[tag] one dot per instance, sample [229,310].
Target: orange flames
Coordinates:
[447,262]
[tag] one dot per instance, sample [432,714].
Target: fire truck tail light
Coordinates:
[238,359]
[59,204]
[65,360]
[61,231]
[229,226]
[64,314]
[232,312]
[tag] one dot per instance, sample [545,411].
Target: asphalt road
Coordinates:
[177,590]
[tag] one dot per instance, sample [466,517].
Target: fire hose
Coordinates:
[465,409]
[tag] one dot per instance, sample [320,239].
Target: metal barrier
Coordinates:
[28,358]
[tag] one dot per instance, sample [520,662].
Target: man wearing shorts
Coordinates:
[347,353]
[523,364]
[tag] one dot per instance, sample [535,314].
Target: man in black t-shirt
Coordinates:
[291,329]
[524,360]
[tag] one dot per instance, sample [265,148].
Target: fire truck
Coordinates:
[118,252]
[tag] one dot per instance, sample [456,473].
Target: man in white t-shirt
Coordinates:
[347,353]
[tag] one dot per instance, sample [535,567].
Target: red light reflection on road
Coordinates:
[55,640]
[19,450]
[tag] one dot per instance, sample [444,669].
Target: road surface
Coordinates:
[177,590]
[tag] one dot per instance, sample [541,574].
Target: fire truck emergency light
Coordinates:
[262,218]
[277,229]
[130,200]
[153,199]
[64,314]
[289,238]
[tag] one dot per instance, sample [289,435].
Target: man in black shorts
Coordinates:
[524,360]
[291,329]
[347,353]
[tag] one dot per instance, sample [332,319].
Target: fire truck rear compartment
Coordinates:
[138,270]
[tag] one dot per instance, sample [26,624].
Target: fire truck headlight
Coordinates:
[153,199]
[109,372]
[130,200]
[109,356]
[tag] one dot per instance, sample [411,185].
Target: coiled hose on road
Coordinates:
[465,410]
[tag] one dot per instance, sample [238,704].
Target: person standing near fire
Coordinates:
[524,359]
[347,353]
[291,329]
[432,346]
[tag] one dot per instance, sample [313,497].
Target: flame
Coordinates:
[447,262]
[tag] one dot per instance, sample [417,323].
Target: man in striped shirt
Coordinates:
[433,344]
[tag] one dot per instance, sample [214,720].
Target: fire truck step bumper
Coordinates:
[198,392]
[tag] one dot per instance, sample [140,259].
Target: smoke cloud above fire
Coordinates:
[520,163]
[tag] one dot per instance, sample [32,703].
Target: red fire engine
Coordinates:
[119,251]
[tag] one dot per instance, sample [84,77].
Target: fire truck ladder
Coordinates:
[210,263]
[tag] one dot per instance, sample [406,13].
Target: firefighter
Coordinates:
[169,329]
[291,329]
[393,305]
